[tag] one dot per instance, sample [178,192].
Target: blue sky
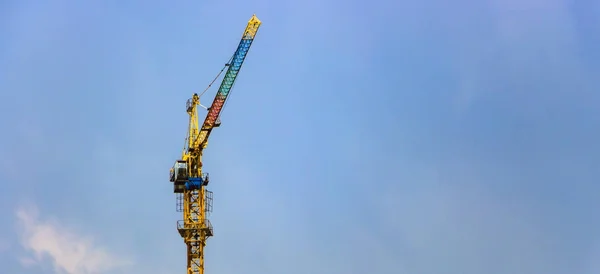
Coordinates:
[361,137]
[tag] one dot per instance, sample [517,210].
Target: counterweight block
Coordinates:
[196,182]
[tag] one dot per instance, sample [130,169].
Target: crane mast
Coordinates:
[189,183]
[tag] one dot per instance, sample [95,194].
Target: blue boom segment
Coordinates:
[229,79]
[227,84]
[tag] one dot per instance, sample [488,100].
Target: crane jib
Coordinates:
[227,84]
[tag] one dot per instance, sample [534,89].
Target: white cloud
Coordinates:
[69,252]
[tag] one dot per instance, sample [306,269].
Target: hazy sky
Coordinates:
[400,137]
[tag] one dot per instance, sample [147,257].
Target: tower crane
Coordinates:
[189,183]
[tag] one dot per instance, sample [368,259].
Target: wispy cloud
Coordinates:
[592,262]
[69,251]
[531,50]
[4,246]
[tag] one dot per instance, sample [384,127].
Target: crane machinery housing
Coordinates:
[189,183]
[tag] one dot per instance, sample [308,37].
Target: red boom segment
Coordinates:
[213,112]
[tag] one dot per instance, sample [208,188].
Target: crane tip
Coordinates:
[254,19]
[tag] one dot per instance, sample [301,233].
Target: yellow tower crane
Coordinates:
[189,183]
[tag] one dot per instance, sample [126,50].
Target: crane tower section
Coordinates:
[189,183]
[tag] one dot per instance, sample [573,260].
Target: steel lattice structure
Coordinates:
[189,183]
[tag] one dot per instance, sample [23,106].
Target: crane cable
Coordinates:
[217,77]
[208,87]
